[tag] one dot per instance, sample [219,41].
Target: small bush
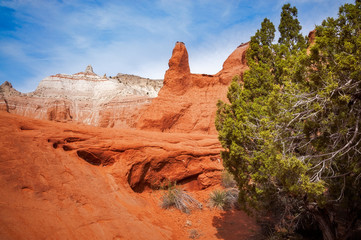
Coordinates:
[228,180]
[178,198]
[224,199]
[218,199]
[232,197]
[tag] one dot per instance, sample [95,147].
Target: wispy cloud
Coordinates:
[44,37]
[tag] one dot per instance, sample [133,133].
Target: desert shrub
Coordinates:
[217,199]
[224,199]
[228,180]
[232,197]
[180,199]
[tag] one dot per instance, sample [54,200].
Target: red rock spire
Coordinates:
[177,77]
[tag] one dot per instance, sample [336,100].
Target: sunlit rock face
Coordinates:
[84,97]
[188,102]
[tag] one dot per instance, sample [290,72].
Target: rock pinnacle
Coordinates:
[89,69]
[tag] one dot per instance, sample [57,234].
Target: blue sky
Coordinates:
[39,38]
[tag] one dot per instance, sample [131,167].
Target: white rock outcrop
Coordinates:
[83,97]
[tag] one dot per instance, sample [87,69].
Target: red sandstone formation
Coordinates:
[312,37]
[187,102]
[67,181]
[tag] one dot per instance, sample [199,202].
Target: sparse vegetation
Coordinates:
[228,180]
[224,199]
[232,197]
[180,199]
[217,199]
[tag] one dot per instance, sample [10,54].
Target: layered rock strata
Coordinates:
[186,102]
[83,97]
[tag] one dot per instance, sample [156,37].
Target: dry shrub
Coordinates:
[180,199]
[232,197]
[228,180]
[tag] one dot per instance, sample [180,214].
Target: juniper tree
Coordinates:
[291,130]
[290,28]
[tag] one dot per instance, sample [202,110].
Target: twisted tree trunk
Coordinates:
[326,225]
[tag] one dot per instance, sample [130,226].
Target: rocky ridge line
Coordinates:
[186,103]
[83,97]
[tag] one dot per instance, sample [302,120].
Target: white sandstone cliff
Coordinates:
[83,97]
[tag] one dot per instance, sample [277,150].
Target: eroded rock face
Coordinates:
[81,182]
[49,191]
[83,97]
[177,77]
[70,181]
[187,102]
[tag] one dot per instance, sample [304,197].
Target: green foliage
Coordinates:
[291,130]
[290,28]
[180,199]
[218,199]
[261,41]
